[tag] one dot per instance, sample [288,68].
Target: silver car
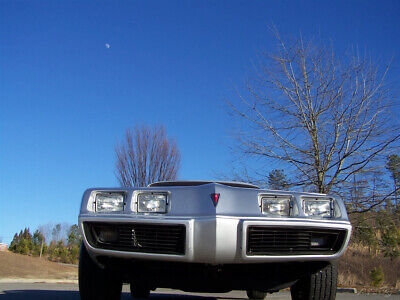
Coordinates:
[210,237]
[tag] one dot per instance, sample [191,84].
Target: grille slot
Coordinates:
[138,237]
[265,240]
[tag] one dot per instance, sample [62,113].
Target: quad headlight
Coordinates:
[152,202]
[318,207]
[109,201]
[276,206]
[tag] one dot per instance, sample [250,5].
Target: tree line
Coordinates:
[61,245]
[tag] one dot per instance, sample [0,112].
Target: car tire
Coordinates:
[252,294]
[139,291]
[318,286]
[96,283]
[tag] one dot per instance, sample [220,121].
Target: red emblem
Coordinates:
[215,198]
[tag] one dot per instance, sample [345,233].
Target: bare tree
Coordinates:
[146,156]
[46,230]
[366,191]
[324,118]
[56,233]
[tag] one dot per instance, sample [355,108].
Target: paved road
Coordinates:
[54,291]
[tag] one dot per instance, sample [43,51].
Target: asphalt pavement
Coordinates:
[57,291]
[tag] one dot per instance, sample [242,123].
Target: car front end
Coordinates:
[227,236]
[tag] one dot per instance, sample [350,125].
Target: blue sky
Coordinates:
[65,98]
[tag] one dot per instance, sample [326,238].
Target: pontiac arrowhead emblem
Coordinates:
[215,198]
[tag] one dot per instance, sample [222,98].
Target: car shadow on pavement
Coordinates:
[39,294]
[74,295]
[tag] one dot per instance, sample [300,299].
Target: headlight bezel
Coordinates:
[274,199]
[96,201]
[138,208]
[332,207]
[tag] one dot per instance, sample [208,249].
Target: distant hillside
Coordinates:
[22,266]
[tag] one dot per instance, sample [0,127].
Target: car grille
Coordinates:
[265,240]
[137,237]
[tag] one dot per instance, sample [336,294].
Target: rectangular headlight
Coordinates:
[152,202]
[109,202]
[314,207]
[278,206]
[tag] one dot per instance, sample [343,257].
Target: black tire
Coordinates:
[256,294]
[319,286]
[96,283]
[139,291]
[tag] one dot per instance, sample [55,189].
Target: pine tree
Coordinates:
[277,180]
[393,165]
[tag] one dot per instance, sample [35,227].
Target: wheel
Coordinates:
[96,283]
[139,291]
[256,294]
[319,286]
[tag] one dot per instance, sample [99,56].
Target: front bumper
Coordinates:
[217,239]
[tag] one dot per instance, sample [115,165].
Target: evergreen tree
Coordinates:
[393,165]
[39,245]
[74,236]
[277,180]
